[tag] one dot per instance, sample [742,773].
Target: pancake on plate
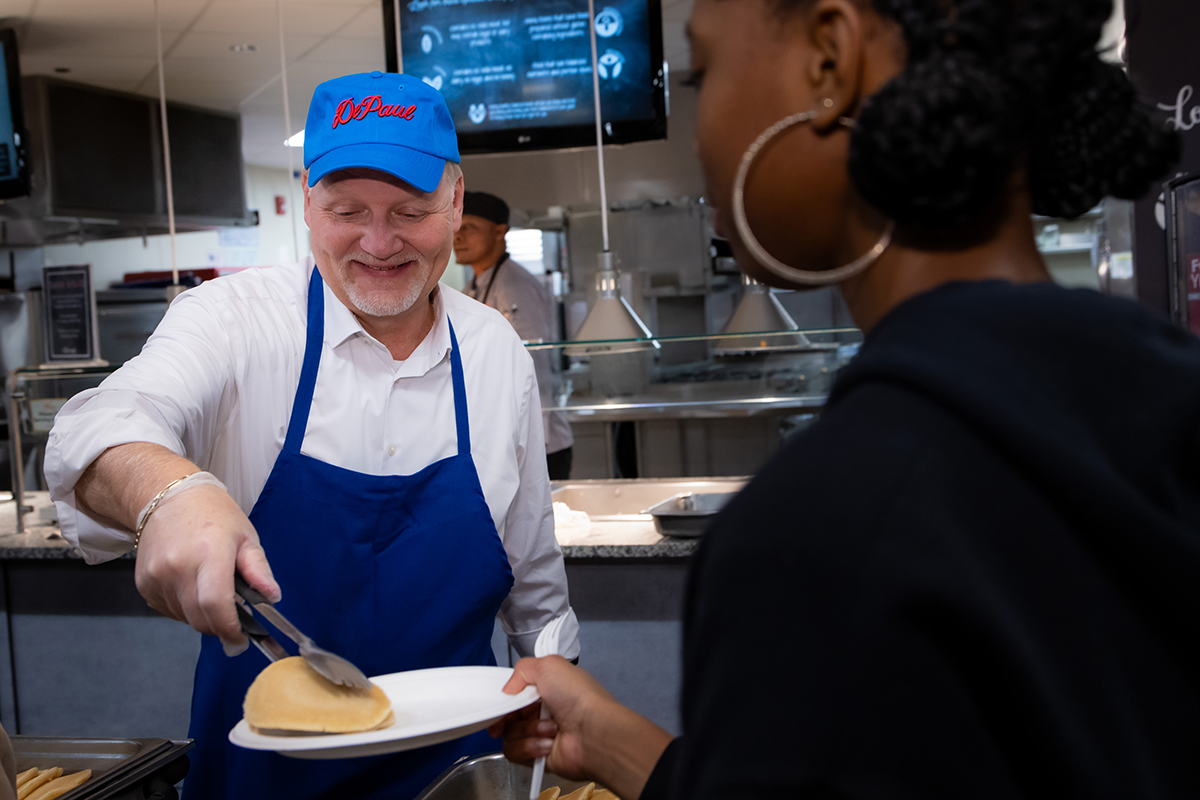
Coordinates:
[289,697]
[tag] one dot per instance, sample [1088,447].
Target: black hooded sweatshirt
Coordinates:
[978,576]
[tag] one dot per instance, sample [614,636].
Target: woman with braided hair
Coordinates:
[979,574]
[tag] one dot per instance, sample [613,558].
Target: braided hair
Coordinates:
[992,85]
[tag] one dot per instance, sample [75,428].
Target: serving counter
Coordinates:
[82,654]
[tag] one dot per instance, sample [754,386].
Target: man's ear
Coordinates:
[458,203]
[305,189]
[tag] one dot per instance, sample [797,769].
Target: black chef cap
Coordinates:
[488,206]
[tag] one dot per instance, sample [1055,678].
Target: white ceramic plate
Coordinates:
[431,706]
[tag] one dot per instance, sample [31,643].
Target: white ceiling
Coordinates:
[111,43]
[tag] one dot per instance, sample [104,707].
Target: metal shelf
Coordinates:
[1066,249]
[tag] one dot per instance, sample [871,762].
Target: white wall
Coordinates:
[270,242]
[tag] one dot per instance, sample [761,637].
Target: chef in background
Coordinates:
[524,301]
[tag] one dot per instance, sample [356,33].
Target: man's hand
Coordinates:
[590,736]
[188,552]
[191,544]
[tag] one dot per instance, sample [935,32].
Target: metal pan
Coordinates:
[491,777]
[119,766]
[687,514]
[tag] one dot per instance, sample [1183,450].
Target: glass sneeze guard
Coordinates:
[35,395]
[695,375]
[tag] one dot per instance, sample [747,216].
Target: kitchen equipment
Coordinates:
[607,498]
[258,635]
[430,705]
[546,645]
[326,664]
[758,311]
[491,777]
[687,514]
[122,769]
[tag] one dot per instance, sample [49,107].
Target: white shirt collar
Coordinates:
[341,325]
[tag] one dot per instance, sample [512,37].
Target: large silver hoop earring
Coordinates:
[802,276]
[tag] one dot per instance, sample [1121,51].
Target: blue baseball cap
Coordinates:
[394,123]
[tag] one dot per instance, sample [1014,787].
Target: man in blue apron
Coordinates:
[383,433]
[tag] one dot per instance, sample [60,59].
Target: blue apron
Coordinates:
[394,572]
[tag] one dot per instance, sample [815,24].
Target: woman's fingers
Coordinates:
[524,674]
[523,751]
[498,728]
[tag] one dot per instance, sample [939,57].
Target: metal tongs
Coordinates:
[325,663]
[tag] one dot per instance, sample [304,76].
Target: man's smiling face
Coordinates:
[380,243]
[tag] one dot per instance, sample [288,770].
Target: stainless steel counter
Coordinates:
[617,528]
[39,540]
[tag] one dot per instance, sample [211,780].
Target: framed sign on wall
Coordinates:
[69,315]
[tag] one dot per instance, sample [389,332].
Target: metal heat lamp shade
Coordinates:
[611,318]
[759,311]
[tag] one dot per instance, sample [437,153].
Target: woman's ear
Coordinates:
[835,30]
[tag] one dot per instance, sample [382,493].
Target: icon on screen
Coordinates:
[429,34]
[477,112]
[609,64]
[609,23]
[437,80]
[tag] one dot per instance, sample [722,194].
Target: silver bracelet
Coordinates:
[137,535]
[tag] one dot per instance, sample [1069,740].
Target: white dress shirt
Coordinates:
[216,381]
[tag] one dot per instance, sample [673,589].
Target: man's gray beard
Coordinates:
[383,304]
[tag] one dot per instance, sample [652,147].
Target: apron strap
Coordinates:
[460,395]
[312,361]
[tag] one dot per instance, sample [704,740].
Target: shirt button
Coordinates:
[391,450]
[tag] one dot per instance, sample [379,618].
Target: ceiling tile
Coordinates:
[11,10]
[255,19]
[54,41]
[96,71]
[265,56]
[365,54]
[218,94]
[368,23]
[136,14]
[219,69]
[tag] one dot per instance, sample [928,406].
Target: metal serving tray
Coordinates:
[609,498]
[119,766]
[687,514]
[491,777]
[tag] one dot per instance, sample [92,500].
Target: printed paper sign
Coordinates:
[42,413]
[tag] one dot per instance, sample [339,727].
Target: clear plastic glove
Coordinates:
[190,547]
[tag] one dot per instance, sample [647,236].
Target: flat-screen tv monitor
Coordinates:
[517,73]
[14,166]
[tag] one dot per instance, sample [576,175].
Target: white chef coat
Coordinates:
[216,381]
[528,305]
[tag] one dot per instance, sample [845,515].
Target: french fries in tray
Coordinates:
[47,784]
